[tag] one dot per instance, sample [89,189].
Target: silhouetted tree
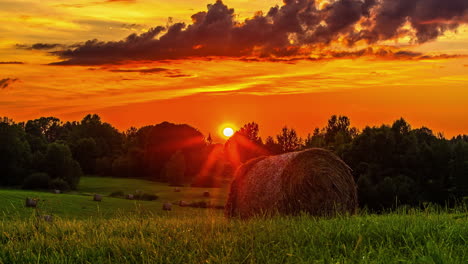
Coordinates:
[272,146]
[250,131]
[160,142]
[85,152]
[338,133]
[15,154]
[288,140]
[316,140]
[61,165]
[175,169]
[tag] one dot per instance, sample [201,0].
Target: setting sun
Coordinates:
[228,132]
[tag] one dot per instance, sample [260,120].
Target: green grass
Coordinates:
[106,186]
[122,231]
[206,237]
[80,205]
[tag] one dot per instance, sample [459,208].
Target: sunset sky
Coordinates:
[229,63]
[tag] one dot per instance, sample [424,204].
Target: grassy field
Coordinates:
[80,205]
[122,231]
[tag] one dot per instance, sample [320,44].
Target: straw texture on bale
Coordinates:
[314,181]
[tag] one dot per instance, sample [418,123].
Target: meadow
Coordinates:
[124,231]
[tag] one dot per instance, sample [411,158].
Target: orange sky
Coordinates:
[209,92]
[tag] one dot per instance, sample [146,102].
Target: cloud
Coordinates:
[172,73]
[96,3]
[40,46]
[143,71]
[299,28]
[11,62]
[5,83]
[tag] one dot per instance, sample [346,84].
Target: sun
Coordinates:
[228,132]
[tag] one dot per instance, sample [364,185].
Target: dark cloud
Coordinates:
[296,29]
[11,62]
[179,75]
[172,73]
[40,46]
[143,71]
[5,83]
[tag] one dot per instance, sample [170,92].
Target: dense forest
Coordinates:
[392,164]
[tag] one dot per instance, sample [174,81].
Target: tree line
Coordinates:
[392,164]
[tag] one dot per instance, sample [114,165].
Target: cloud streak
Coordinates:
[11,62]
[299,28]
[40,46]
[5,83]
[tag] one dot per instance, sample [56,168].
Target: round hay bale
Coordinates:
[167,206]
[130,197]
[314,181]
[177,189]
[48,218]
[183,204]
[97,198]
[31,202]
[57,191]
[206,194]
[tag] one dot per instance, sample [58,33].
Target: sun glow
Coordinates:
[228,132]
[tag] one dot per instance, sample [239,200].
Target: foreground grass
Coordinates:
[204,236]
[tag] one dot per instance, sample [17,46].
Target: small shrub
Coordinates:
[201,204]
[59,184]
[37,181]
[117,194]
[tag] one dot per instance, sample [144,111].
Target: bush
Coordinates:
[119,194]
[145,196]
[37,181]
[200,204]
[59,184]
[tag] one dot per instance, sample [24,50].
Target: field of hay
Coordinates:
[122,231]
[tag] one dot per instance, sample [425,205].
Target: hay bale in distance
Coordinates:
[183,204]
[206,194]
[31,202]
[314,181]
[167,206]
[97,198]
[130,197]
[57,191]
[48,218]
[177,189]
